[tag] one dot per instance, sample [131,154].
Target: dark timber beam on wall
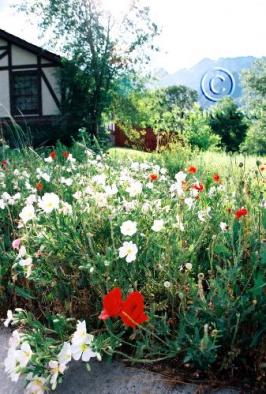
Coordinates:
[9,73]
[40,84]
[3,47]
[26,66]
[47,83]
[3,54]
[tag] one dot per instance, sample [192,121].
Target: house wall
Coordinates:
[49,106]
[4,84]
[19,58]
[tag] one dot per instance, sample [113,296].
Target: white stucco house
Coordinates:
[29,88]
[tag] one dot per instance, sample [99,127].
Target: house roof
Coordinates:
[30,47]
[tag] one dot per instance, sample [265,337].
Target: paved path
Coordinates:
[104,378]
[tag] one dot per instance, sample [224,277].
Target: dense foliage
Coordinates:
[174,265]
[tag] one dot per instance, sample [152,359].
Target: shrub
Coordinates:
[180,260]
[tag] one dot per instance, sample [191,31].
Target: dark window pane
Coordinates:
[25,92]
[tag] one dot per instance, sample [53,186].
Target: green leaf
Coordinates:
[24,293]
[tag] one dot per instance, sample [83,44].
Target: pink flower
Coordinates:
[16,244]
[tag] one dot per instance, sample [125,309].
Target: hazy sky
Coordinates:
[191,29]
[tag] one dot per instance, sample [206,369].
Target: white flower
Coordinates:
[49,202]
[10,364]
[56,368]
[188,266]
[223,227]
[180,176]
[66,181]
[66,208]
[129,228]
[189,202]
[9,318]
[81,342]
[167,284]
[77,195]
[48,159]
[128,250]
[27,213]
[71,158]
[110,190]
[65,355]
[177,188]
[27,265]
[22,251]
[134,188]
[24,354]
[31,199]
[99,179]
[2,204]
[158,225]
[36,385]
[204,214]
[14,340]
[146,207]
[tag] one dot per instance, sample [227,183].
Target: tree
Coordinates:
[254,83]
[180,96]
[229,122]
[198,131]
[100,53]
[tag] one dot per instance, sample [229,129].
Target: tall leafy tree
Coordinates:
[102,51]
[254,82]
[229,122]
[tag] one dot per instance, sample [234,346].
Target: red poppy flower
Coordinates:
[65,154]
[132,312]
[39,186]
[192,170]
[153,177]
[241,212]
[4,164]
[53,154]
[216,178]
[112,304]
[198,186]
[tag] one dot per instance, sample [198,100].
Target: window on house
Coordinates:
[25,93]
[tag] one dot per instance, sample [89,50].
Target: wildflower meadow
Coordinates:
[107,256]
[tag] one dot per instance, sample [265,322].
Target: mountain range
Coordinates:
[215,78]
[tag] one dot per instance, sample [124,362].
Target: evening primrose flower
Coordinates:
[27,265]
[158,225]
[49,202]
[24,354]
[65,355]
[81,344]
[10,364]
[134,188]
[129,251]
[36,385]
[27,214]
[129,228]
[56,368]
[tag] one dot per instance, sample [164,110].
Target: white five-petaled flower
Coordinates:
[36,384]
[56,368]
[27,213]
[81,344]
[49,202]
[129,251]
[134,188]
[158,225]
[223,227]
[129,228]
[65,355]
[24,354]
